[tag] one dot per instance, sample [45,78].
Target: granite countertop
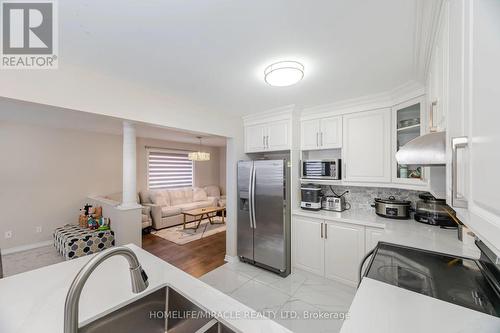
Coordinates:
[34,301]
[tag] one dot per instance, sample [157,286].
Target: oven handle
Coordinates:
[365,258]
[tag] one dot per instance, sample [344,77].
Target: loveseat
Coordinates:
[167,205]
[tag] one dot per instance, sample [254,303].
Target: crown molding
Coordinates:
[404,92]
[280,113]
[426,26]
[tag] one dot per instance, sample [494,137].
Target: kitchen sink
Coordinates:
[164,310]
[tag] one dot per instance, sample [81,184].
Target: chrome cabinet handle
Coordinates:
[267,141]
[317,139]
[456,143]
[321,230]
[326,231]
[321,139]
[431,117]
[264,141]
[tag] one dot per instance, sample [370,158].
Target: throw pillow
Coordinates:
[199,194]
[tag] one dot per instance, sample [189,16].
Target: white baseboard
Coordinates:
[26,247]
[230,259]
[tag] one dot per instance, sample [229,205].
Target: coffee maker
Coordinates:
[310,197]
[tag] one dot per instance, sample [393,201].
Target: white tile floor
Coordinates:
[291,301]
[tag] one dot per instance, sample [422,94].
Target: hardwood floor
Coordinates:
[196,258]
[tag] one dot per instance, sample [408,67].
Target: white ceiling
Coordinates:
[53,117]
[212,53]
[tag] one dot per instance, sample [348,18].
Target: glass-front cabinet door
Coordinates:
[407,125]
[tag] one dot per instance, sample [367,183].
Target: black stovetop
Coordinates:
[452,279]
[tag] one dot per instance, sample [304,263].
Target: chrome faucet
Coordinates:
[137,275]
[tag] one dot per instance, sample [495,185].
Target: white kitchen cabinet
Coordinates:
[324,133]
[367,146]
[473,116]
[407,124]
[331,133]
[278,137]
[328,248]
[372,237]
[344,250]
[255,138]
[270,136]
[308,248]
[309,134]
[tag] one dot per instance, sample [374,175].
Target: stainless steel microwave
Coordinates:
[321,169]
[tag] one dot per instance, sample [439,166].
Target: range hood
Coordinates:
[428,149]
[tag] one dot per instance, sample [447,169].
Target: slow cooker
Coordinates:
[392,208]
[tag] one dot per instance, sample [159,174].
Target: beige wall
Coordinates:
[222,169]
[205,173]
[46,174]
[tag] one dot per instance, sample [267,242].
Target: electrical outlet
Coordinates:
[8,234]
[39,229]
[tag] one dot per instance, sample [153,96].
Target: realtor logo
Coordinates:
[28,34]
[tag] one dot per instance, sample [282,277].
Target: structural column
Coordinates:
[129,196]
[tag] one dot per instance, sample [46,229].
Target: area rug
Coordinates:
[181,236]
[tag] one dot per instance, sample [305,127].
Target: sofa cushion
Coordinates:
[199,194]
[161,198]
[212,190]
[145,196]
[181,196]
[170,211]
[195,205]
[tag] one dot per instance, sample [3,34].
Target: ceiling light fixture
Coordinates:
[284,73]
[199,156]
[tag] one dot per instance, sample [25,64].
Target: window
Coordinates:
[169,169]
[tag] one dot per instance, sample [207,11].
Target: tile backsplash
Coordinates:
[362,197]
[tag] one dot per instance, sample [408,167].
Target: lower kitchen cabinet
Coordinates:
[328,248]
[373,236]
[308,247]
[344,250]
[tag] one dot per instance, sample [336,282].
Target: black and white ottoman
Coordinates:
[73,241]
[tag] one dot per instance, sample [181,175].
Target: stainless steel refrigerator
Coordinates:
[264,214]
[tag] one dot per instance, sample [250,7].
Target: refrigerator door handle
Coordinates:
[252,197]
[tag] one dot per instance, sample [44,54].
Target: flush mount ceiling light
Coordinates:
[199,156]
[284,73]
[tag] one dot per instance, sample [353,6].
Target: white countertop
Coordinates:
[403,232]
[34,301]
[380,307]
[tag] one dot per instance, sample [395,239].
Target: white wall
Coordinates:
[205,173]
[46,174]
[222,169]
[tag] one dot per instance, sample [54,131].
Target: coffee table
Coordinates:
[201,213]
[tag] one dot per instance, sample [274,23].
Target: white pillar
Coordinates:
[129,196]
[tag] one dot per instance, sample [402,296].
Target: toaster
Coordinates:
[333,203]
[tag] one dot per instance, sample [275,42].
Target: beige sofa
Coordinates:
[146,220]
[167,205]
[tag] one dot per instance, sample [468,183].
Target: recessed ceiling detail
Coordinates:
[284,73]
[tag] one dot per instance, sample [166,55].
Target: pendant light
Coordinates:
[199,156]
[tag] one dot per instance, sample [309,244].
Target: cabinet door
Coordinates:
[309,247]
[407,125]
[331,133]
[309,134]
[367,146]
[373,236]
[254,138]
[278,135]
[344,250]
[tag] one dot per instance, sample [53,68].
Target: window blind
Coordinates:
[169,169]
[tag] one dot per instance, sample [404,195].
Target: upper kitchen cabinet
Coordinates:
[437,79]
[270,131]
[407,124]
[324,133]
[255,138]
[366,149]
